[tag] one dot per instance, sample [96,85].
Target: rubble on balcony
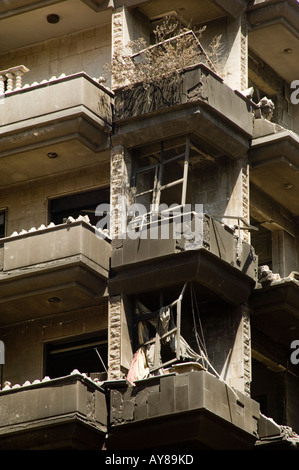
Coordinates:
[273,436]
[273,158]
[69,220]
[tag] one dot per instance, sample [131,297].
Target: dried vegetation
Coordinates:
[174,49]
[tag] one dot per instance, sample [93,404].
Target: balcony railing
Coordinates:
[11,79]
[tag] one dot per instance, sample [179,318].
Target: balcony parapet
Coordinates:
[199,103]
[158,262]
[11,79]
[69,116]
[53,269]
[65,413]
[275,307]
[187,407]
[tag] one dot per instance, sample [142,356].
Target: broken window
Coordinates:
[160,173]
[162,338]
[86,355]
[83,204]
[2,223]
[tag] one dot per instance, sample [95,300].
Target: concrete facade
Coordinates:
[165,342]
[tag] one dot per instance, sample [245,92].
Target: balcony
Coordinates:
[218,119]
[51,270]
[68,413]
[276,310]
[189,410]
[69,118]
[273,158]
[219,262]
[274,35]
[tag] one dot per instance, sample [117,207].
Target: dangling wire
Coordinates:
[199,340]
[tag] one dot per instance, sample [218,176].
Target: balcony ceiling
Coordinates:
[274,35]
[274,167]
[21,28]
[192,11]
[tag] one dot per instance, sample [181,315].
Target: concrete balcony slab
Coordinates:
[274,28]
[68,413]
[274,163]
[70,117]
[213,263]
[52,270]
[216,117]
[275,310]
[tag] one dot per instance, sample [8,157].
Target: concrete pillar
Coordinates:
[235,70]
[120,353]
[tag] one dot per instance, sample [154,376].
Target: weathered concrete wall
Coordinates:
[284,253]
[228,340]
[222,187]
[87,51]
[24,342]
[230,58]
[27,204]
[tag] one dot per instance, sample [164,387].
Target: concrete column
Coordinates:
[235,70]
[120,169]
[114,337]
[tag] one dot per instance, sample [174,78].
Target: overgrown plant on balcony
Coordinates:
[175,48]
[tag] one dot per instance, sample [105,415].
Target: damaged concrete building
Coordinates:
[140,342]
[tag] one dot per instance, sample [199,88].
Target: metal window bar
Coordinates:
[158,187]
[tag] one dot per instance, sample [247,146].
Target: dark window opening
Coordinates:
[2,223]
[88,356]
[261,240]
[83,204]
